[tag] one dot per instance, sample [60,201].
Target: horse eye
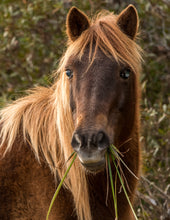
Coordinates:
[69,73]
[125,73]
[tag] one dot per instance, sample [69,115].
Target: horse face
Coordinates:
[101,106]
[102,93]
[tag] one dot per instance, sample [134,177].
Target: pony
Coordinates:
[93,103]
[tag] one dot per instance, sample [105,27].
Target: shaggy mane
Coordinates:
[44,117]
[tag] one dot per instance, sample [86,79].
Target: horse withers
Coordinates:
[93,103]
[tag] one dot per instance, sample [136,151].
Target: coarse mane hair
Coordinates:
[44,118]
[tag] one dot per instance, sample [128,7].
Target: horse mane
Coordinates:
[44,117]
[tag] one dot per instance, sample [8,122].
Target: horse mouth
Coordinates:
[94,167]
[92,160]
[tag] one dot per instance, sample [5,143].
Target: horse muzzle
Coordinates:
[91,148]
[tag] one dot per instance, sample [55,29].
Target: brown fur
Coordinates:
[42,124]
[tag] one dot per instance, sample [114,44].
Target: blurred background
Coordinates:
[33,38]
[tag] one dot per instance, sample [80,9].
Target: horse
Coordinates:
[93,103]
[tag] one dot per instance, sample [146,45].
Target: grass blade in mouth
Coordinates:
[60,185]
[121,181]
[113,149]
[112,186]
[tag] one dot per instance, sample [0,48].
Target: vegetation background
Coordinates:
[32,39]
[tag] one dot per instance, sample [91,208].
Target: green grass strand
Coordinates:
[123,187]
[59,186]
[111,182]
[112,149]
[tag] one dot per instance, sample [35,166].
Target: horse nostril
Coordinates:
[89,142]
[76,142]
[100,136]
[102,140]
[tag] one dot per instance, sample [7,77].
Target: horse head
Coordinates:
[101,70]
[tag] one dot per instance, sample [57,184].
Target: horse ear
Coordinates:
[76,23]
[128,21]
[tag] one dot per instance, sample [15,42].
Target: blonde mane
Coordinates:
[44,117]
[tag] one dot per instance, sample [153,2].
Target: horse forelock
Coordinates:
[104,34]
